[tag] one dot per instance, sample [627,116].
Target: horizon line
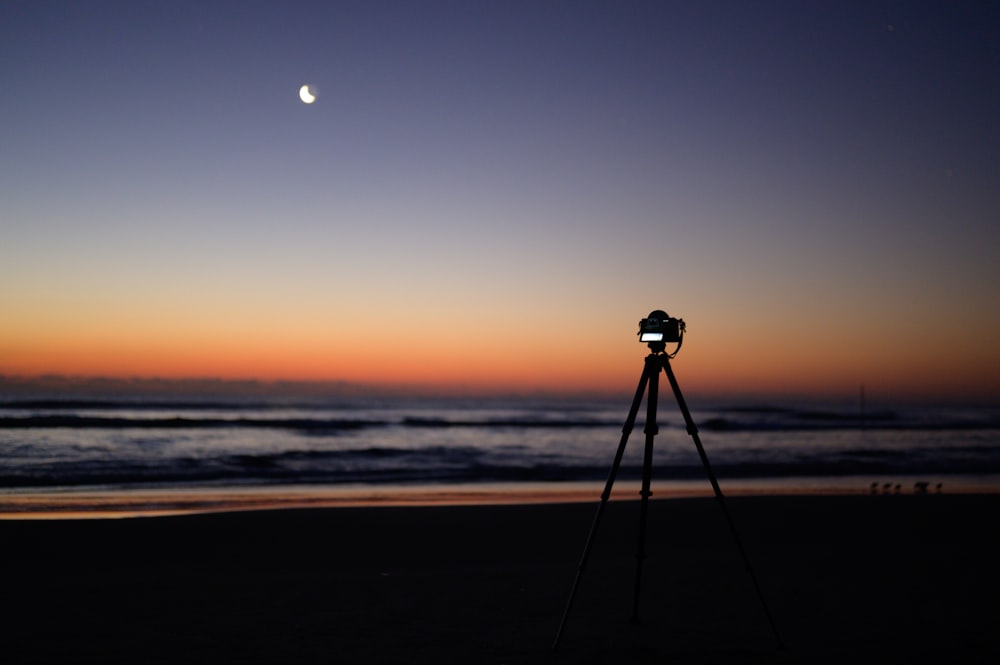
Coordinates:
[70,385]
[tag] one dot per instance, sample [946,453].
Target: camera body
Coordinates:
[660,327]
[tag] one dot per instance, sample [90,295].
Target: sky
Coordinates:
[488,196]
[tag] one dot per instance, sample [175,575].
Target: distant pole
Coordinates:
[861,399]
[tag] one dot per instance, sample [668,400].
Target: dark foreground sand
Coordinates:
[864,579]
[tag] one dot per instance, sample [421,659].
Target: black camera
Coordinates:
[660,327]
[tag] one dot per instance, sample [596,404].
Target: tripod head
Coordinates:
[659,329]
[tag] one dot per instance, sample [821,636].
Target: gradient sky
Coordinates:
[492,194]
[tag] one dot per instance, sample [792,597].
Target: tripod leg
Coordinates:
[605,495]
[693,431]
[651,429]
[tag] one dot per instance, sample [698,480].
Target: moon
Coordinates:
[306,96]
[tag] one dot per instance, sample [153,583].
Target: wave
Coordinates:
[789,421]
[437,464]
[181,422]
[723,424]
[47,443]
[132,405]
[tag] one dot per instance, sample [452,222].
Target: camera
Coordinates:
[660,327]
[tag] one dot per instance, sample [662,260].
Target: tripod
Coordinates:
[655,361]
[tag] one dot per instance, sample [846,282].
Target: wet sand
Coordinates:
[860,579]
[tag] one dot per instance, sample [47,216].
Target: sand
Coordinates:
[861,579]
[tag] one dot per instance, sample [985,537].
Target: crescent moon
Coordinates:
[306,96]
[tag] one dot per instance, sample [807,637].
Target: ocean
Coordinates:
[171,446]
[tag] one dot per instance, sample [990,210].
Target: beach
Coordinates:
[860,579]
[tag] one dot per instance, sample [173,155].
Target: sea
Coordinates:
[168,454]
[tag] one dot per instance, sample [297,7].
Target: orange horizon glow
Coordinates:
[473,349]
[517,366]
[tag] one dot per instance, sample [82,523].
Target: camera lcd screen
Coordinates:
[651,337]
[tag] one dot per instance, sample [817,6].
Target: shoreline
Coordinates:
[115,502]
